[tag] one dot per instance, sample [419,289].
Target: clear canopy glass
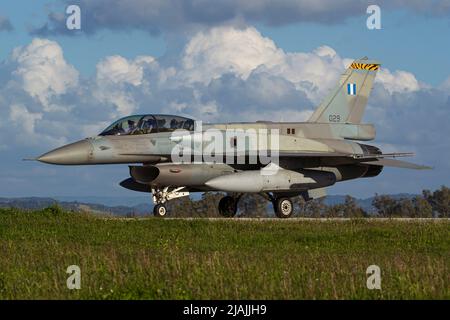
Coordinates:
[144,124]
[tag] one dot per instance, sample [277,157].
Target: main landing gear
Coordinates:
[228,206]
[283,206]
[161,196]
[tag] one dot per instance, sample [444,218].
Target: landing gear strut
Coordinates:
[228,206]
[161,196]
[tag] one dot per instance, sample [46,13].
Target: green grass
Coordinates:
[203,259]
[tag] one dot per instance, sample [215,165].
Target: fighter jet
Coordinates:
[170,156]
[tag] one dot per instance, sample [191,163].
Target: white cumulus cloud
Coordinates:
[243,51]
[24,119]
[220,50]
[43,72]
[117,69]
[397,81]
[114,74]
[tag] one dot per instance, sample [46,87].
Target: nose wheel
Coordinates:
[160,210]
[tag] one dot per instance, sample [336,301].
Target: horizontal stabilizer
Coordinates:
[384,155]
[360,157]
[397,164]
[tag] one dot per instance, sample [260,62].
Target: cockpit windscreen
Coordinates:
[144,124]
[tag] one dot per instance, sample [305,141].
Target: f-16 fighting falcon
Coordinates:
[170,156]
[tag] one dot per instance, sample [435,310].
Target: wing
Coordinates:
[330,158]
[383,160]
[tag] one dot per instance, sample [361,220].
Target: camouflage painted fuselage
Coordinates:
[309,155]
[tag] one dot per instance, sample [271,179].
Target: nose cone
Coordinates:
[74,153]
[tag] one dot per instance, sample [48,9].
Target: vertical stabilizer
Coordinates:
[347,101]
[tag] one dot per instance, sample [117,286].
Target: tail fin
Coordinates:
[348,100]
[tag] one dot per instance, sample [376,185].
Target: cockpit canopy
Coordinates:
[144,124]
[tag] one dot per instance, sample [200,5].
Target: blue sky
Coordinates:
[407,40]
[409,105]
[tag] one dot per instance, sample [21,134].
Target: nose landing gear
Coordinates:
[160,210]
[161,196]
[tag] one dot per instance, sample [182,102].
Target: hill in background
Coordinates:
[138,205]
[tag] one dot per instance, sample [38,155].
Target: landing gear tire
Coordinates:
[228,207]
[283,207]
[160,211]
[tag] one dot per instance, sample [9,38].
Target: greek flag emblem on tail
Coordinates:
[351,89]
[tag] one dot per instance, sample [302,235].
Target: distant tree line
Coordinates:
[429,204]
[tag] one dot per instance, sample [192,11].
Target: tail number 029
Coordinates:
[334,118]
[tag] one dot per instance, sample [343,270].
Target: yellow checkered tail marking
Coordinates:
[365,66]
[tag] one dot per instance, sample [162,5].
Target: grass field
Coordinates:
[203,259]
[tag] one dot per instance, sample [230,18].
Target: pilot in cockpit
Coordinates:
[131,126]
[174,124]
[148,125]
